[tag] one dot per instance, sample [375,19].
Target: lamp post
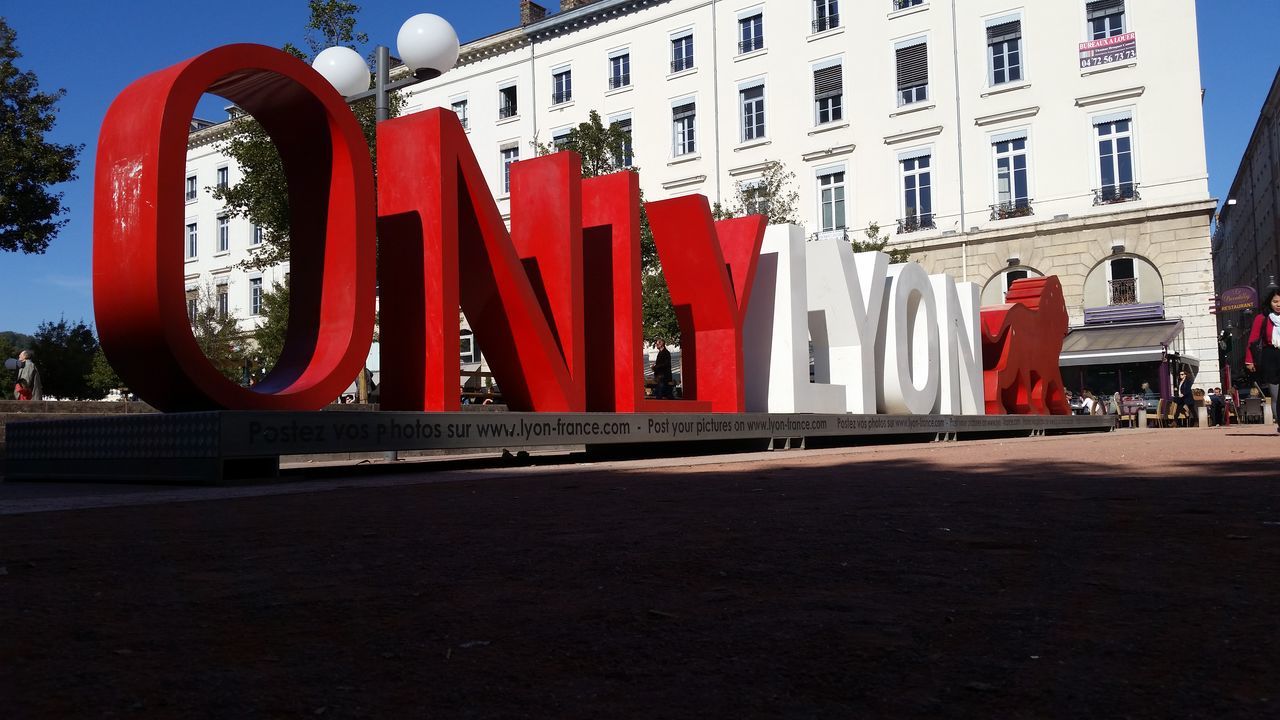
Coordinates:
[427,44]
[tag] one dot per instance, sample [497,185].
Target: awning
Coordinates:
[1116,344]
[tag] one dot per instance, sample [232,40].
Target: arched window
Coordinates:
[1123,279]
[994,292]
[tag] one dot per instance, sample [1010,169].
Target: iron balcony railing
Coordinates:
[823,24]
[746,46]
[904,4]
[561,97]
[506,111]
[916,223]
[837,234]
[1123,291]
[1012,209]
[1123,192]
[617,81]
[681,64]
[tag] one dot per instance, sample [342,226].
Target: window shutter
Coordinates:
[681,112]
[1009,136]
[913,65]
[1103,8]
[1004,32]
[828,82]
[1112,117]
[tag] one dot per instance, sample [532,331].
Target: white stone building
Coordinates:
[996,138]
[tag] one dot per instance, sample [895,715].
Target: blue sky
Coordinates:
[94,49]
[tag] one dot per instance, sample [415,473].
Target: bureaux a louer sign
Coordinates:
[555,301]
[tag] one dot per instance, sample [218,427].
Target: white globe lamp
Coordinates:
[345,70]
[428,44]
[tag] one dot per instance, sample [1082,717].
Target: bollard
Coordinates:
[1267,417]
[1202,416]
[1142,417]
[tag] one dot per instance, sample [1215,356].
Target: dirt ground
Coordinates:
[1129,575]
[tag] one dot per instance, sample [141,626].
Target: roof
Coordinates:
[1114,344]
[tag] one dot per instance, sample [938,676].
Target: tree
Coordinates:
[604,150]
[262,193]
[12,343]
[876,242]
[270,334]
[64,354]
[102,377]
[770,195]
[29,213]
[218,336]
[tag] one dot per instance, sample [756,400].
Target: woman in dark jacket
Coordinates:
[1262,354]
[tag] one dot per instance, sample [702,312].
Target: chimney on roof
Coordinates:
[531,12]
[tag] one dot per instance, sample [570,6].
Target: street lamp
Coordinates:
[427,44]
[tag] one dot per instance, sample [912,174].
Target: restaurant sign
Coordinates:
[1108,50]
[1237,298]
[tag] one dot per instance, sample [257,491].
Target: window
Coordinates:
[1004,49]
[192,192]
[255,296]
[224,233]
[682,53]
[1106,18]
[459,108]
[193,303]
[560,139]
[627,159]
[1122,283]
[561,86]
[468,352]
[255,238]
[1115,158]
[222,300]
[917,194]
[507,106]
[755,196]
[904,4]
[222,178]
[510,155]
[192,244]
[913,72]
[826,15]
[831,200]
[619,70]
[683,117]
[828,93]
[1010,153]
[750,33]
[1013,276]
[751,100]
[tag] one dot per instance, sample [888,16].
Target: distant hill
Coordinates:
[11,343]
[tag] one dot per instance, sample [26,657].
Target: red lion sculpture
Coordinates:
[1021,341]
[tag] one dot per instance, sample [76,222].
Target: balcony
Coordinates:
[191,195]
[1012,209]
[1122,292]
[746,46]
[681,65]
[558,98]
[904,4]
[1124,192]
[837,234]
[824,24]
[619,81]
[915,223]
[506,111]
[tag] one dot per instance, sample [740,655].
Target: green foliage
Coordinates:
[102,377]
[64,355]
[218,336]
[262,194]
[602,149]
[876,242]
[12,343]
[771,195]
[270,334]
[28,164]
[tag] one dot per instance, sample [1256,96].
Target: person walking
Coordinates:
[1262,354]
[30,374]
[1183,400]
[662,371]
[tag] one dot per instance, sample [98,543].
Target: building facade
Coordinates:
[1246,243]
[995,139]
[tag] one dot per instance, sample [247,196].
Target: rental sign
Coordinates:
[555,300]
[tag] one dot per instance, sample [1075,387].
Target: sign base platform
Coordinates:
[228,447]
